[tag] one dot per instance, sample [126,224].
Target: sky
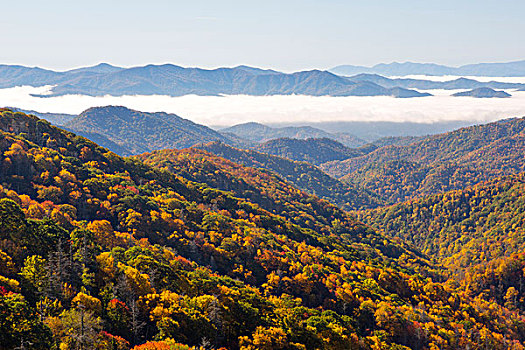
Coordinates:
[287,35]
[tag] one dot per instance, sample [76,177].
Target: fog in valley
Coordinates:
[293,109]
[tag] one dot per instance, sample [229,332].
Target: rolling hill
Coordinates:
[454,84]
[137,132]
[483,92]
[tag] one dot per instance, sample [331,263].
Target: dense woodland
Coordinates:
[184,249]
[461,228]
[303,175]
[126,131]
[319,151]
[314,151]
[438,163]
[477,233]
[259,186]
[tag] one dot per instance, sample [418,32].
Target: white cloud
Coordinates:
[229,110]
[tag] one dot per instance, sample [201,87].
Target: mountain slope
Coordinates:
[53,118]
[14,75]
[301,174]
[395,140]
[314,151]
[138,132]
[477,233]
[88,234]
[258,132]
[461,228]
[256,185]
[438,163]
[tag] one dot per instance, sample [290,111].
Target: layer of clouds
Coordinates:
[229,110]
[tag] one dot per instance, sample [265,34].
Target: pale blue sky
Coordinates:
[285,35]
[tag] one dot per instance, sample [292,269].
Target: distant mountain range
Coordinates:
[460,83]
[128,132]
[172,80]
[360,132]
[508,69]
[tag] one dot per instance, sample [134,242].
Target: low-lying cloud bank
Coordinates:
[229,110]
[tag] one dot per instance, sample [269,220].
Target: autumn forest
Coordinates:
[415,244]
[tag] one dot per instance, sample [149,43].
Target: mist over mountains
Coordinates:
[224,97]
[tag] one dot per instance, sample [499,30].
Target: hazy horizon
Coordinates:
[212,67]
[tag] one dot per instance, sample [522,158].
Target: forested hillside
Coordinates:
[256,185]
[303,175]
[126,131]
[438,163]
[261,133]
[110,253]
[461,228]
[314,151]
[477,233]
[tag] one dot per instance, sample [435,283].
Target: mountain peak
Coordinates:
[98,68]
[483,92]
[256,71]
[137,132]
